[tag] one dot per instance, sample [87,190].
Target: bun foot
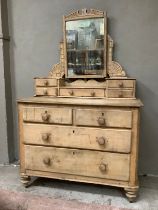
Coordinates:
[131,193]
[25,180]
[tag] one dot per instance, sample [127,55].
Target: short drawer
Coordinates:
[116,83]
[120,93]
[115,140]
[104,118]
[44,82]
[82,92]
[46,91]
[47,115]
[78,162]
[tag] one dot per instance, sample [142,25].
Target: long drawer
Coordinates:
[48,115]
[104,118]
[115,140]
[81,92]
[79,162]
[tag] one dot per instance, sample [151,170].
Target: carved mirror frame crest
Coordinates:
[83,15]
[112,68]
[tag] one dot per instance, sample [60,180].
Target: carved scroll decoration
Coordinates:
[86,83]
[58,69]
[114,69]
[84,13]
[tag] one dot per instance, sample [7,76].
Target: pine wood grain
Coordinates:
[114,140]
[79,162]
[81,92]
[44,82]
[112,118]
[53,114]
[46,91]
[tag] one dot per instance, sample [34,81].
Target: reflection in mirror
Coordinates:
[85,46]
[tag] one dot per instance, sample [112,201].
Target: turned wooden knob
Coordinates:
[45,136]
[71,92]
[121,85]
[103,167]
[101,121]
[93,93]
[46,161]
[45,92]
[45,116]
[101,140]
[46,82]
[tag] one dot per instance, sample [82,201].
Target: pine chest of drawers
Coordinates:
[90,140]
[83,123]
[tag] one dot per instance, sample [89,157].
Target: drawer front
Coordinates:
[46,91]
[46,82]
[121,83]
[81,92]
[47,115]
[113,93]
[79,162]
[104,118]
[114,140]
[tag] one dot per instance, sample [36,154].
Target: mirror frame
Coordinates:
[81,15]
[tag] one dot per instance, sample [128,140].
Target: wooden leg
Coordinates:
[25,180]
[131,193]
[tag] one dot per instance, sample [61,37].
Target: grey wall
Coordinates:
[4,158]
[6,113]
[36,30]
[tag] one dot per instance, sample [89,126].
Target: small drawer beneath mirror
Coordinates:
[120,93]
[46,82]
[82,92]
[121,83]
[46,91]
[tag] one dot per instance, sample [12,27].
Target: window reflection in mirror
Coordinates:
[85,46]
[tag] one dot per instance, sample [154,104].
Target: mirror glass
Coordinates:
[85,46]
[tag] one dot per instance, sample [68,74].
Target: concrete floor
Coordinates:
[84,193]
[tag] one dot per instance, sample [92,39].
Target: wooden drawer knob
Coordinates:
[45,92]
[103,167]
[92,93]
[121,84]
[71,92]
[45,136]
[101,140]
[47,161]
[101,121]
[45,116]
[46,82]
